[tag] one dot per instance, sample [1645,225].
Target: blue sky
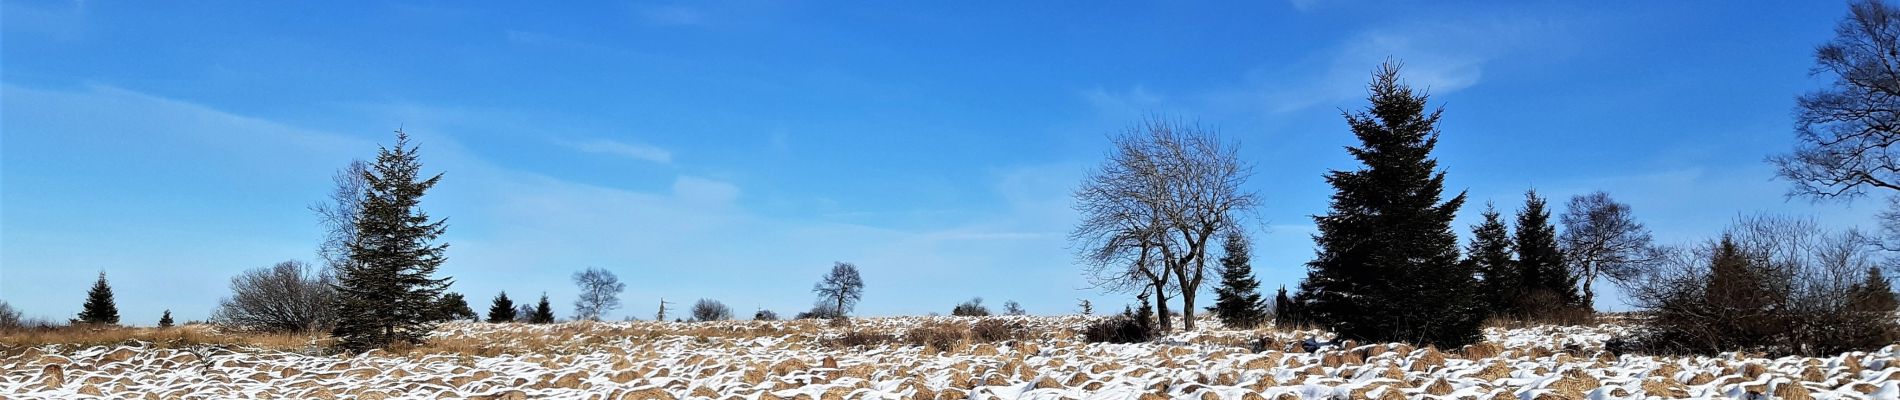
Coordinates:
[734,150]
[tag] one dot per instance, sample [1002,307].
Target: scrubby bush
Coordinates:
[765,315]
[1123,328]
[290,296]
[858,339]
[997,330]
[711,310]
[972,308]
[1775,285]
[938,336]
[9,317]
[1013,308]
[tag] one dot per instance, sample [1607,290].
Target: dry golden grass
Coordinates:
[78,336]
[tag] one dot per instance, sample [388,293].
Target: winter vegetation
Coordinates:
[1394,301]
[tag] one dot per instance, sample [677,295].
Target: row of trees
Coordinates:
[1388,265]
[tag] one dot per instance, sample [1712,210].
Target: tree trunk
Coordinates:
[1161,307]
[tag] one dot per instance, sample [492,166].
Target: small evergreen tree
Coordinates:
[452,306]
[543,312]
[1490,256]
[99,308]
[1237,300]
[1144,316]
[502,309]
[1087,309]
[165,321]
[1546,285]
[1286,312]
[388,292]
[1874,295]
[1388,267]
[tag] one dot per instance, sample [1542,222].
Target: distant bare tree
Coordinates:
[1602,239]
[338,215]
[1013,308]
[9,317]
[711,310]
[1151,210]
[1846,131]
[600,293]
[291,296]
[840,289]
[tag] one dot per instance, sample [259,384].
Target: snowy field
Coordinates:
[804,360]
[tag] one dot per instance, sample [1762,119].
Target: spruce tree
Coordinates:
[502,310]
[1490,257]
[1286,312]
[1874,295]
[1547,286]
[165,321]
[543,312]
[99,308]
[1237,300]
[452,306]
[389,292]
[1388,267]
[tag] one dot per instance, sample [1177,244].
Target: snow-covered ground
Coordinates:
[787,360]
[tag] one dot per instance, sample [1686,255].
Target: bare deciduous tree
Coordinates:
[291,296]
[841,288]
[600,293]
[9,317]
[1602,239]
[1151,210]
[338,215]
[1846,131]
[711,310]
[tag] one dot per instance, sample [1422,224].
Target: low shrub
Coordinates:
[938,336]
[997,330]
[1119,329]
[858,339]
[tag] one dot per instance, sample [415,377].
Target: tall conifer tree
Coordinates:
[389,292]
[1388,267]
[1547,286]
[1237,300]
[100,308]
[1490,257]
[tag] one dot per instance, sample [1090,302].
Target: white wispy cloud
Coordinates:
[629,150]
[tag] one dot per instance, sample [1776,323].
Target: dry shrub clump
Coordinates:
[1119,329]
[79,336]
[856,338]
[938,336]
[997,330]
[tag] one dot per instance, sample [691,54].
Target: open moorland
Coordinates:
[902,358]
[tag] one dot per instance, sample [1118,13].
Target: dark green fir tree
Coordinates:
[502,309]
[99,308]
[1388,267]
[1237,300]
[1490,257]
[1546,285]
[389,292]
[543,312]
